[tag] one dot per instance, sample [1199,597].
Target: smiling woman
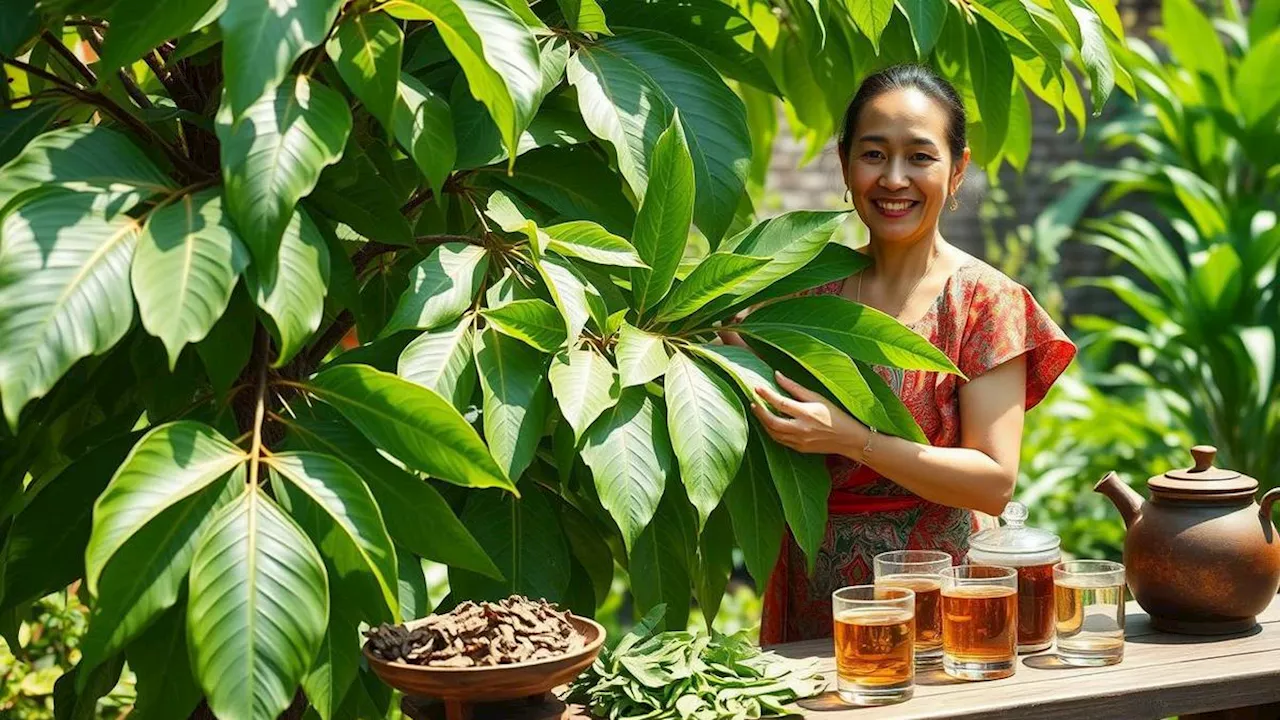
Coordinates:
[904,156]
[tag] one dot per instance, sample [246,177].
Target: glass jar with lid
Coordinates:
[1033,553]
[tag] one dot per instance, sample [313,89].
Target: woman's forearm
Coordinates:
[956,477]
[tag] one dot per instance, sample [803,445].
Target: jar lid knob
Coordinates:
[1015,514]
[1204,456]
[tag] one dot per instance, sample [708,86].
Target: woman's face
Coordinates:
[898,168]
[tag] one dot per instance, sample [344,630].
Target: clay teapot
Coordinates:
[1201,557]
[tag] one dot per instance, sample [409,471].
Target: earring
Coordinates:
[847,196]
[955,204]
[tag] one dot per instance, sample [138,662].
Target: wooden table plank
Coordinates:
[1161,675]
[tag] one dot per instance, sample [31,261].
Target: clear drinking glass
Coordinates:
[918,571]
[875,644]
[1089,611]
[979,621]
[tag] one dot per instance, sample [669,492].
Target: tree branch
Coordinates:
[327,340]
[415,201]
[69,57]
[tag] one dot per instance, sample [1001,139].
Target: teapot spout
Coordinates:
[1126,500]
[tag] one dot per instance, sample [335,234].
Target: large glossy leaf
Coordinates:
[585,16]
[927,19]
[991,72]
[423,125]
[523,537]
[334,488]
[165,685]
[708,432]
[664,561]
[261,41]
[169,464]
[412,423]
[185,267]
[715,563]
[442,360]
[857,330]
[641,356]
[584,385]
[354,193]
[573,182]
[628,88]
[1096,55]
[441,288]
[789,240]
[84,158]
[498,55]
[1256,95]
[21,23]
[145,576]
[746,370]
[662,222]
[871,17]
[416,515]
[414,600]
[589,241]
[272,157]
[291,290]
[803,484]
[535,322]
[137,26]
[64,289]
[630,457]
[570,291]
[833,263]
[259,608]
[226,349]
[1193,40]
[718,274]
[589,549]
[516,398]
[20,126]
[366,49]
[480,142]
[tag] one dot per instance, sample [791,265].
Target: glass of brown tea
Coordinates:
[918,571]
[1089,611]
[875,644]
[979,621]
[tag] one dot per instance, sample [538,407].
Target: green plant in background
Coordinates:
[200,200]
[1204,134]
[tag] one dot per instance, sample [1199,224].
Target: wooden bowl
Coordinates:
[491,683]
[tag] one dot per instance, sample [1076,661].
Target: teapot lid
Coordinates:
[1203,478]
[1014,538]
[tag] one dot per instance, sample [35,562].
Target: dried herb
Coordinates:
[690,676]
[509,631]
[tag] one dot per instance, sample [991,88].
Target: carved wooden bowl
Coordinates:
[460,687]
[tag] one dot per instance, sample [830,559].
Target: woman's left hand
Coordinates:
[811,423]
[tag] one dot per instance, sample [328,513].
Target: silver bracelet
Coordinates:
[866,450]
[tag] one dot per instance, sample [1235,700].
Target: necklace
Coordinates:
[907,298]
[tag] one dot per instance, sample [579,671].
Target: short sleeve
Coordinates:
[1004,322]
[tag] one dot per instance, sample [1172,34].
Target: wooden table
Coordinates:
[1162,675]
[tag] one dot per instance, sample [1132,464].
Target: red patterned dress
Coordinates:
[981,319]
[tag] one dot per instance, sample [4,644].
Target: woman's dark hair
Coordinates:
[898,77]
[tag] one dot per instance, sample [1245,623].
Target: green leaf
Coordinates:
[991,73]
[859,331]
[789,240]
[630,85]
[21,125]
[708,432]
[899,415]
[172,462]
[185,267]
[416,515]
[480,142]
[742,366]
[630,458]
[803,484]
[442,360]
[226,349]
[871,17]
[1193,40]
[1012,18]
[339,492]
[261,41]
[590,550]
[664,561]
[291,290]
[589,241]
[523,537]
[927,19]
[441,288]
[574,183]
[498,55]
[516,398]
[21,23]
[569,290]
[1215,278]
[64,289]
[1097,56]
[424,128]
[87,159]
[662,222]
[165,685]
[715,552]
[259,608]
[412,423]
[76,693]
[414,602]
[641,356]
[353,193]
[137,26]
[146,574]
[834,262]
[366,49]
[585,385]
[718,273]
[584,16]
[535,322]
[273,154]
[1257,95]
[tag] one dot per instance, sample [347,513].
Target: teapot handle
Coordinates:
[1268,501]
